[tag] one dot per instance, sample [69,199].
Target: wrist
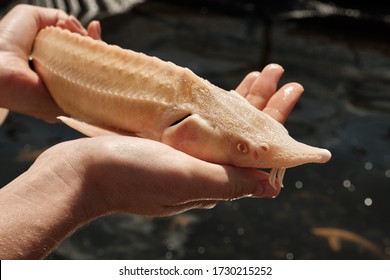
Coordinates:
[67,168]
[42,207]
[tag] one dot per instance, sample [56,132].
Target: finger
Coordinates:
[32,97]
[247,183]
[94,30]
[28,20]
[265,191]
[264,86]
[229,183]
[47,16]
[283,101]
[72,24]
[246,84]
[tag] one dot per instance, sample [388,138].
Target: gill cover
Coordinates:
[196,137]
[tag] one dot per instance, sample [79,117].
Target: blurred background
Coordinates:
[338,50]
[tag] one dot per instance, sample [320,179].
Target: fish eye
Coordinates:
[242,147]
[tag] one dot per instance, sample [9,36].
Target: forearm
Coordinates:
[38,210]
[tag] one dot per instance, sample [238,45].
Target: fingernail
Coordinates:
[75,21]
[98,30]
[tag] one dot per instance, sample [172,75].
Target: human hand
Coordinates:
[121,174]
[21,89]
[260,89]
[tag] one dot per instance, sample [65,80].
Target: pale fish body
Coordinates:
[3,115]
[106,89]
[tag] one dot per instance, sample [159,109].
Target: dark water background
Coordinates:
[339,51]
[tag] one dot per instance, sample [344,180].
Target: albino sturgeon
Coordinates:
[105,89]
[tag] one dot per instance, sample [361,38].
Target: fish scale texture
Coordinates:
[97,75]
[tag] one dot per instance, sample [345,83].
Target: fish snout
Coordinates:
[297,153]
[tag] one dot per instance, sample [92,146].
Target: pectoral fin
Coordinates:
[195,136]
[3,115]
[92,130]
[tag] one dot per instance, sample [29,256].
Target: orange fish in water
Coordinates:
[335,236]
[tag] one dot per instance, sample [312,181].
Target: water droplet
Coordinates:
[27,147]
[347,183]
[368,165]
[289,90]
[201,250]
[290,256]
[368,201]
[168,255]
[170,246]
[221,227]
[299,185]
[240,231]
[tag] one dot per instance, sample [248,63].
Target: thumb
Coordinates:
[28,20]
[206,189]
[229,183]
